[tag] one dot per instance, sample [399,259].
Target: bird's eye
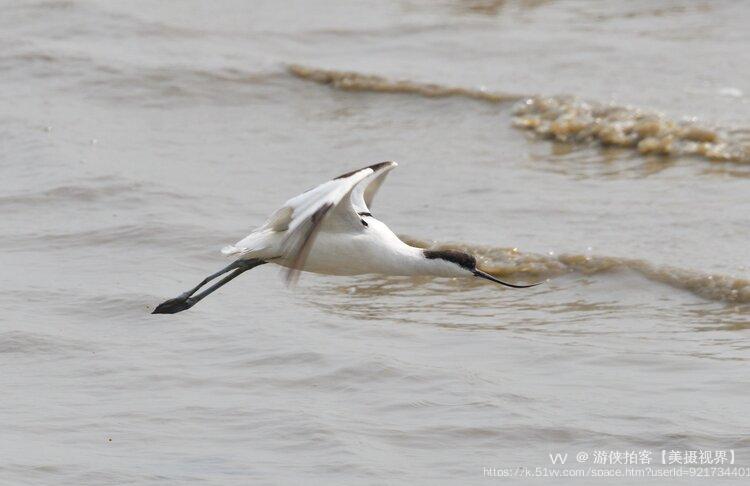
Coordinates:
[364,223]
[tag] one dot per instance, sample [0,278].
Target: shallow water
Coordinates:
[139,138]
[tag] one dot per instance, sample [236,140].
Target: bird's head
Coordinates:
[459,264]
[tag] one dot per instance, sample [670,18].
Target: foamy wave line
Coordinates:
[351,81]
[509,262]
[566,118]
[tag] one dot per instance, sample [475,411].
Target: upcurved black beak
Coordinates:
[487,276]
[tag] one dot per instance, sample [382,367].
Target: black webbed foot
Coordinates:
[188,299]
[173,306]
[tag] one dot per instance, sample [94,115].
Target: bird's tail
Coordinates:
[231,250]
[255,243]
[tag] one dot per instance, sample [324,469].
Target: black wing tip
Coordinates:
[380,165]
[374,167]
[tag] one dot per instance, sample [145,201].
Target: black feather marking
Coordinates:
[304,248]
[463,260]
[374,167]
[348,174]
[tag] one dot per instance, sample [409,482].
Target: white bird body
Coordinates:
[348,241]
[330,230]
[375,250]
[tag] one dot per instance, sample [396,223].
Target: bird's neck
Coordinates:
[410,260]
[392,256]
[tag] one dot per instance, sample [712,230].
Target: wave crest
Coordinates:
[566,118]
[352,81]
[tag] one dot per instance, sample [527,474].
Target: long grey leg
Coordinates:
[231,266]
[186,300]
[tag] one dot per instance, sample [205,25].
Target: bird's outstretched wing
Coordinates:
[342,200]
[365,191]
[307,211]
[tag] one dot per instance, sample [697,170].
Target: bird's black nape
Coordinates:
[187,300]
[487,276]
[463,260]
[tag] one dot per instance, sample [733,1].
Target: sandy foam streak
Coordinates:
[352,81]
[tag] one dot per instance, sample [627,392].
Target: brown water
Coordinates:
[601,146]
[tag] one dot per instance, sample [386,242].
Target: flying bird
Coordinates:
[330,230]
